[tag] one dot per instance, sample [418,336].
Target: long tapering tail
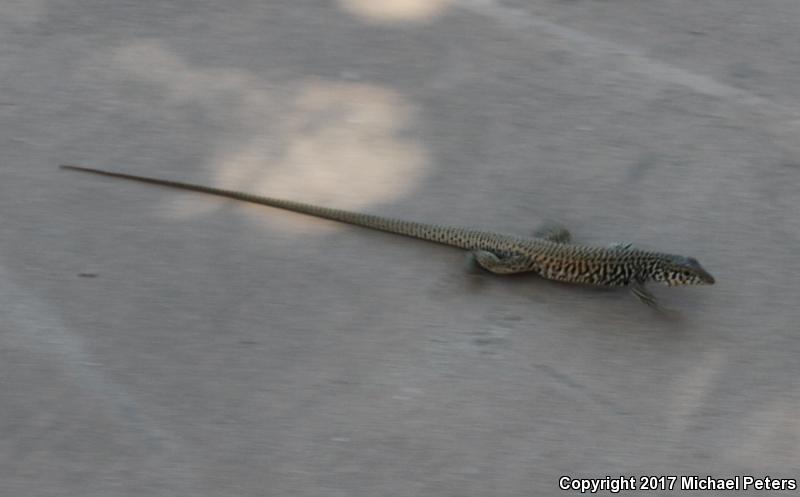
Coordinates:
[456,237]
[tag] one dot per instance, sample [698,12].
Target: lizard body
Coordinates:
[549,254]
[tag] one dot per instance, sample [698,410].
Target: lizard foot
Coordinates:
[649,299]
[644,295]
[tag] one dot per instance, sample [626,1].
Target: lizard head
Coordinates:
[674,270]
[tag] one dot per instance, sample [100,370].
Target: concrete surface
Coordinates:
[169,344]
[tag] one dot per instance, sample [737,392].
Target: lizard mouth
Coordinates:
[705,276]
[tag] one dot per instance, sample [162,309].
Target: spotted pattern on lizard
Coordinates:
[550,253]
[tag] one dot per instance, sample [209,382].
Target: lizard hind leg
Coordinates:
[497,265]
[554,233]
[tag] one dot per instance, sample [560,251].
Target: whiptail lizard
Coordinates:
[549,253]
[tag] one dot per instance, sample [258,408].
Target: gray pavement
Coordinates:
[154,342]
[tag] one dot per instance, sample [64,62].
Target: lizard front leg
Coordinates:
[644,295]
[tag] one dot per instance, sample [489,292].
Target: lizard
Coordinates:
[549,253]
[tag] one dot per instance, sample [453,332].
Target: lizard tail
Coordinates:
[456,237]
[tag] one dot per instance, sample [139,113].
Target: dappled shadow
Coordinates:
[331,142]
[395,11]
